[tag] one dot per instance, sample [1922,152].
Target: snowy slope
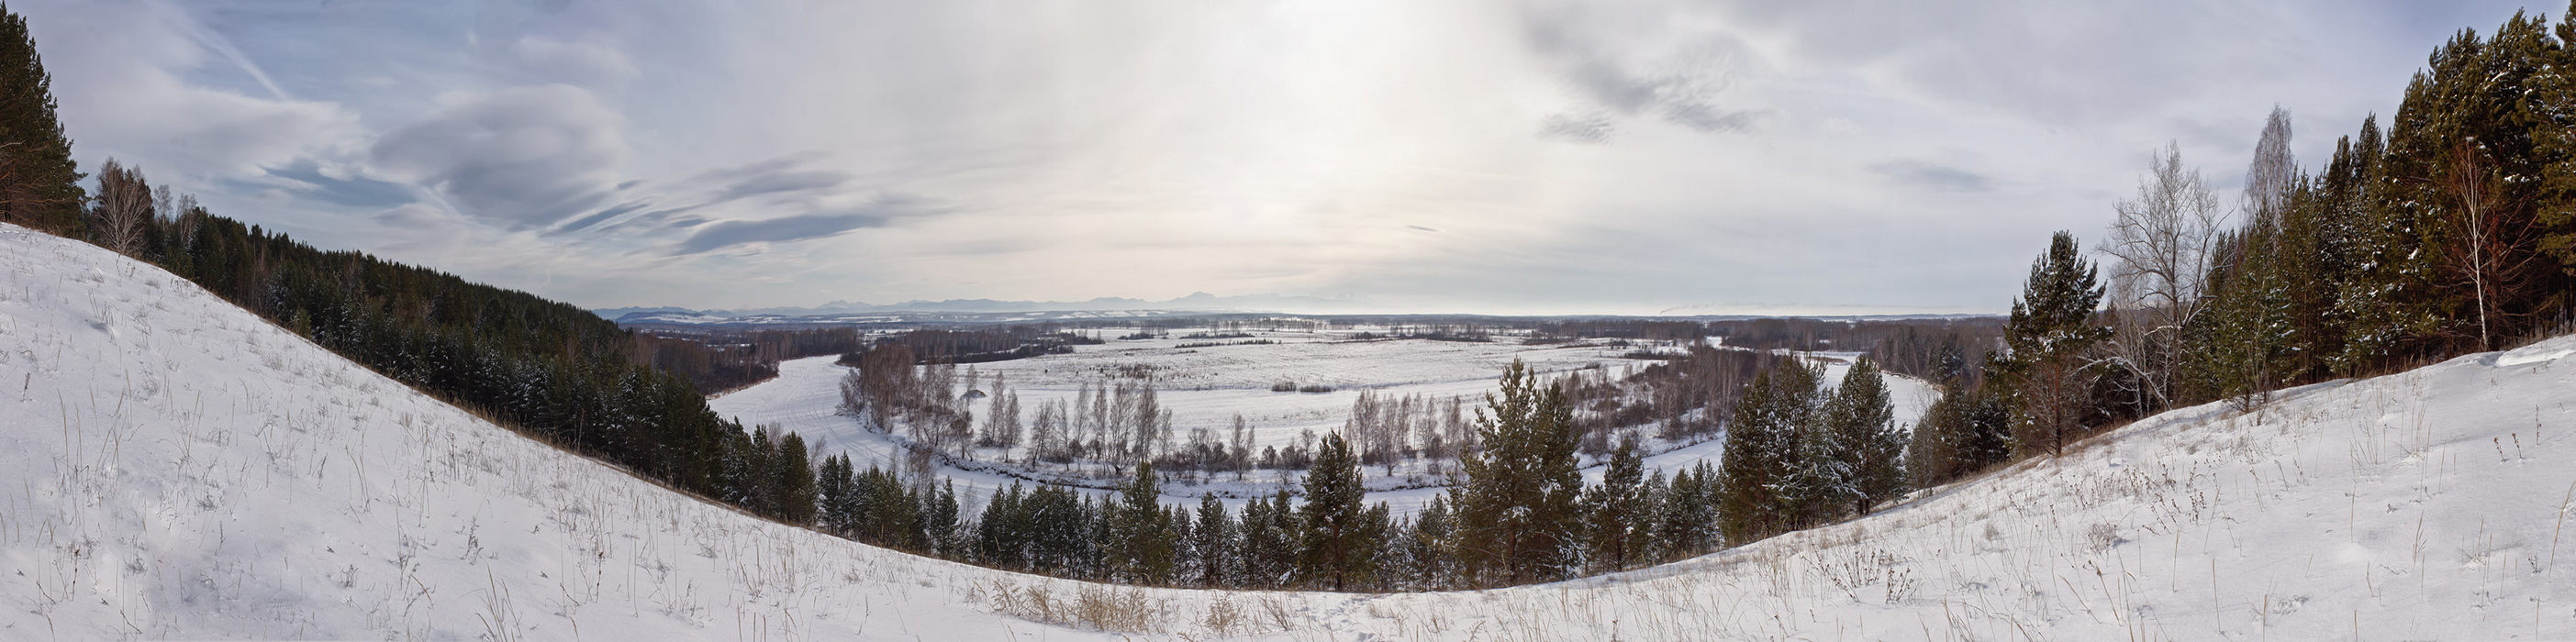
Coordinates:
[177,468]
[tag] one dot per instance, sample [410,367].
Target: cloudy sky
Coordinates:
[1532,156]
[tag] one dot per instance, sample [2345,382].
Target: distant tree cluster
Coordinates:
[1388,430]
[1635,329]
[979,345]
[1686,398]
[721,360]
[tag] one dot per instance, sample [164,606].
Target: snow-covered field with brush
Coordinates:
[1205,387]
[177,468]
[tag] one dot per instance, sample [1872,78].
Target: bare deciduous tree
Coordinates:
[2161,244]
[124,208]
[2489,254]
[2274,172]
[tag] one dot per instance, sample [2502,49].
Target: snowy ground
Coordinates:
[178,468]
[1208,386]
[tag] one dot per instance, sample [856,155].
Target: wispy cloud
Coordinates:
[517,157]
[800,227]
[1932,176]
[726,155]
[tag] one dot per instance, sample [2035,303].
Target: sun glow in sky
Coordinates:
[1537,156]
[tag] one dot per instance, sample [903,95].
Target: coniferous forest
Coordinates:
[2449,228]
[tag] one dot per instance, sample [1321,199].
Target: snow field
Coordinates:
[806,396]
[178,468]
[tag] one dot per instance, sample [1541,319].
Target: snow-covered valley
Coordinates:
[178,468]
[1210,385]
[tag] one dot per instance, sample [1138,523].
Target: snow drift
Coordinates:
[177,467]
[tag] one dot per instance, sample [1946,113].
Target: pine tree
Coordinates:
[1179,535]
[1619,514]
[941,530]
[1428,558]
[1334,553]
[837,487]
[1139,532]
[1755,495]
[1872,445]
[1932,453]
[795,482]
[1692,525]
[1214,544]
[2551,113]
[756,478]
[1059,530]
[39,182]
[1818,488]
[1258,540]
[1270,543]
[1522,505]
[2051,327]
[1657,497]
[1001,534]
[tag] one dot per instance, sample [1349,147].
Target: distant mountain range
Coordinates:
[1113,306]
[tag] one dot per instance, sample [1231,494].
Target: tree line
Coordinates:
[2450,229]
[1522,514]
[714,361]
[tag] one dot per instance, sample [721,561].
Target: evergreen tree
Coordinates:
[795,482]
[1657,497]
[1690,518]
[1963,432]
[1376,538]
[1214,544]
[1522,507]
[1818,488]
[1270,543]
[1620,515]
[39,182]
[1001,535]
[1427,555]
[1060,529]
[837,487]
[1864,421]
[1183,541]
[1932,453]
[756,478]
[1756,496]
[2551,113]
[1335,552]
[1139,533]
[2050,330]
[1253,559]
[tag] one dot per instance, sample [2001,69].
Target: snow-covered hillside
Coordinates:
[177,468]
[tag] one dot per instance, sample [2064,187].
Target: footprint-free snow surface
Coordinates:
[177,468]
